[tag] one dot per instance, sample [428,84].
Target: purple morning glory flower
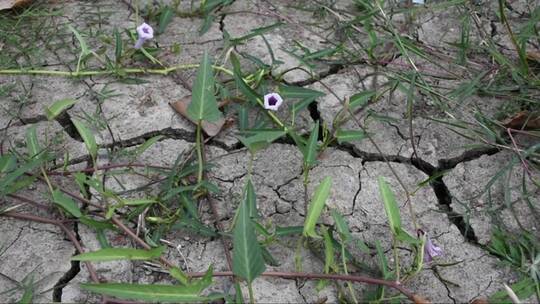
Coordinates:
[430,250]
[145,32]
[272,101]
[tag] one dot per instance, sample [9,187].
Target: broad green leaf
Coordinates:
[165,17]
[150,292]
[195,226]
[316,207]
[137,202]
[390,206]
[113,254]
[203,105]
[32,143]
[251,199]
[66,203]
[87,136]
[310,151]
[261,139]
[58,107]
[202,283]
[360,99]
[349,135]
[299,92]
[240,83]
[248,261]
[118,45]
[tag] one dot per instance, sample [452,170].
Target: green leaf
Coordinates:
[10,178]
[289,230]
[361,99]
[404,236]
[310,151]
[147,144]
[261,139]
[7,162]
[328,251]
[82,43]
[118,45]
[58,107]
[87,136]
[165,17]
[32,143]
[524,289]
[251,199]
[349,135]
[240,83]
[203,104]
[341,226]
[113,254]
[248,262]
[299,92]
[390,206]
[150,292]
[137,202]
[178,274]
[66,203]
[316,207]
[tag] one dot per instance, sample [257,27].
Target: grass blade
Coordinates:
[316,207]
[58,107]
[150,293]
[310,151]
[66,203]
[113,254]
[390,206]
[87,136]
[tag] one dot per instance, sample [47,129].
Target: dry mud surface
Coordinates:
[458,220]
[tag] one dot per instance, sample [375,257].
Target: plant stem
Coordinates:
[200,160]
[163,71]
[250,290]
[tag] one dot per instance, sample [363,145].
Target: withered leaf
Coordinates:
[7,4]
[523,120]
[210,128]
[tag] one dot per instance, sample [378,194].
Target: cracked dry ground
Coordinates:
[457,219]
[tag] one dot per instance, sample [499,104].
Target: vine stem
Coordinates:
[313,276]
[163,71]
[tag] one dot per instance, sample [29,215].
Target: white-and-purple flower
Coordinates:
[430,250]
[145,32]
[272,101]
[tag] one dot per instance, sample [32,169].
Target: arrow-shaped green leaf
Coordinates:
[203,105]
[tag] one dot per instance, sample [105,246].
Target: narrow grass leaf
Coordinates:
[204,105]
[248,262]
[361,99]
[165,17]
[118,45]
[316,207]
[240,83]
[310,151]
[350,135]
[138,202]
[299,92]
[58,107]
[328,251]
[82,43]
[66,203]
[390,206]
[87,136]
[150,292]
[113,254]
[341,226]
[32,143]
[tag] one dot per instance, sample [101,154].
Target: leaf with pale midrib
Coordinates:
[204,105]
[248,261]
